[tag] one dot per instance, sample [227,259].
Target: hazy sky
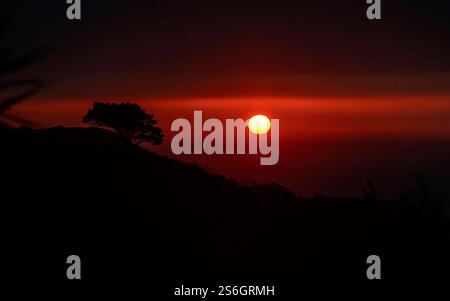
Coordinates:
[254,47]
[356,99]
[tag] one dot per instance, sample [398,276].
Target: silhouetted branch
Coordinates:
[33,87]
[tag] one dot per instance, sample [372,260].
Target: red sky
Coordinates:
[407,116]
[327,145]
[356,99]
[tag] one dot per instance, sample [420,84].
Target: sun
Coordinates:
[259,124]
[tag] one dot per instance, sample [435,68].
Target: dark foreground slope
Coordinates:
[129,213]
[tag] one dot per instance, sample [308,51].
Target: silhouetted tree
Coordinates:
[127,119]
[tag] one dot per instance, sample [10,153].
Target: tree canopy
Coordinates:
[129,120]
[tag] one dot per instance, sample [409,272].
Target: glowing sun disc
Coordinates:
[259,124]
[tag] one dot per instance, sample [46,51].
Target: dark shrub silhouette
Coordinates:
[421,194]
[369,191]
[128,120]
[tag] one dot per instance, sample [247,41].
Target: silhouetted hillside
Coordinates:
[129,213]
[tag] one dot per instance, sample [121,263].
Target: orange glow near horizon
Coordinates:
[345,136]
[411,116]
